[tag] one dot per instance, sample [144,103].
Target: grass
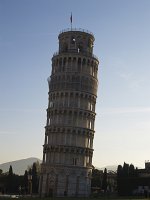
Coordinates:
[110,197]
[63,198]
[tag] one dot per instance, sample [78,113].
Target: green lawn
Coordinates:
[7,197]
[100,198]
[48,198]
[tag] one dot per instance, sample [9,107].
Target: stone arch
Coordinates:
[84,61]
[69,60]
[64,61]
[60,61]
[80,47]
[65,47]
[79,64]
[73,40]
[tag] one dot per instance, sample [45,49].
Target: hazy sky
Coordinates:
[28,38]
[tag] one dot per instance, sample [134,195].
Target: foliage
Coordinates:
[13,184]
[1,171]
[38,167]
[10,171]
[34,171]
[35,178]
[104,180]
[96,178]
[31,198]
[10,180]
[25,181]
[127,177]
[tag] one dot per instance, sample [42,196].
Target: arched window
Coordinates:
[73,40]
[64,61]
[65,47]
[89,43]
[79,60]
[80,48]
[84,61]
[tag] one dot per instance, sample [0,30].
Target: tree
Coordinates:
[125,169]
[127,178]
[119,178]
[119,171]
[25,181]
[104,180]
[131,170]
[1,171]
[10,184]
[96,178]
[38,167]
[10,171]
[34,178]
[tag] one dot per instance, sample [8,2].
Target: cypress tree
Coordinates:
[1,171]
[25,180]
[125,169]
[131,170]
[34,178]
[104,180]
[10,183]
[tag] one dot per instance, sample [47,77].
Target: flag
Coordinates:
[71,18]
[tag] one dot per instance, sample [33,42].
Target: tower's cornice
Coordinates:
[80,54]
[77,30]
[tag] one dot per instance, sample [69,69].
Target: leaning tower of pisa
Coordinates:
[69,132]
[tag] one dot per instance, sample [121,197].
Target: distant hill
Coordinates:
[109,168]
[19,166]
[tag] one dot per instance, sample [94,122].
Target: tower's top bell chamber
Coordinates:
[76,41]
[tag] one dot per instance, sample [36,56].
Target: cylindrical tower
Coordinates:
[69,132]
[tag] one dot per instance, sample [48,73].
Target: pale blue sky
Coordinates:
[28,39]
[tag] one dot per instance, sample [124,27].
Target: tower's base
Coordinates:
[65,181]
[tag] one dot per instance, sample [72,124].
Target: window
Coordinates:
[80,47]
[51,104]
[73,40]
[65,47]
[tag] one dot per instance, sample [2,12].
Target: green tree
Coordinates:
[125,169]
[1,171]
[96,178]
[119,171]
[104,180]
[127,179]
[10,185]
[25,181]
[10,171]
[38,167]
[34,178]
[119,178]
[131,170]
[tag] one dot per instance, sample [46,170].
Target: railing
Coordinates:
[80,53]
[76,29]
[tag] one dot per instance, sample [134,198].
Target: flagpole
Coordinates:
[71,20]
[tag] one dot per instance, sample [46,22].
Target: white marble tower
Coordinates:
[69,132]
